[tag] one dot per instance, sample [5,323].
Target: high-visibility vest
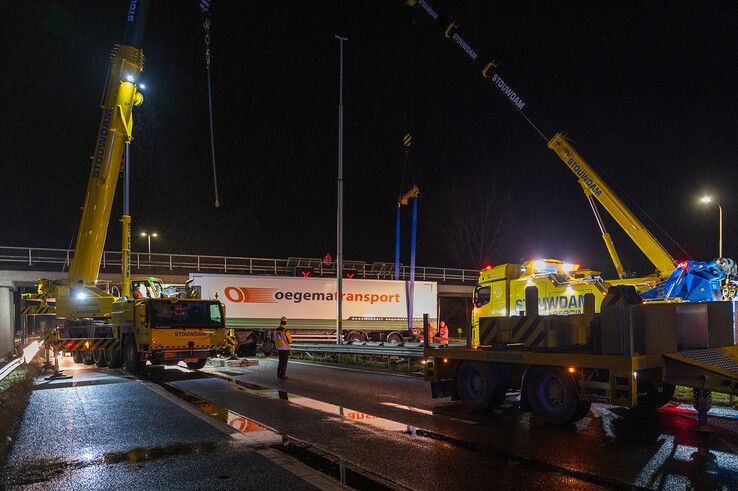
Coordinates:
[283,339]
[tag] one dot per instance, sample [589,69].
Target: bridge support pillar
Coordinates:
[7,319]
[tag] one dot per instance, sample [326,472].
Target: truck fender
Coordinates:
[524,403]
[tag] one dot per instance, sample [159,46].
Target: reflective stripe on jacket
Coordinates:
[283,339]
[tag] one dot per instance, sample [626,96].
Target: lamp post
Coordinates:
[707,200]
[148,238]
[339,213]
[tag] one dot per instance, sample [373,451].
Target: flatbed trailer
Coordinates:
[631,355]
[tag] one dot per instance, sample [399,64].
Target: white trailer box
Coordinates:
[258,302]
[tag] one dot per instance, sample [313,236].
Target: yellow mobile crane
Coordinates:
[610,347]
[92,323]
[562,286]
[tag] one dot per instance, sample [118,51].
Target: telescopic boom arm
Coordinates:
[115,130]
[593,186]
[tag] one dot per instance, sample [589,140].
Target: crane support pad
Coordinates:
[714,369]
[85,344]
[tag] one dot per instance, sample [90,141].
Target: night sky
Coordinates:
[646,90]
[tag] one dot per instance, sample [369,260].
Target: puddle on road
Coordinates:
[321,461]
[24,473]
[223,414]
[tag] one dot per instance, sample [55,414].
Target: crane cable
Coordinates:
[205,8]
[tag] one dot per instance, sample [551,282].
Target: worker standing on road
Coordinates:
[283,341]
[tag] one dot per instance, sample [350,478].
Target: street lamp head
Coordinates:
[154,235]
[706,199]
[144,234]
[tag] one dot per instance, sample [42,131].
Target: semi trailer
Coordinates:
[373,310]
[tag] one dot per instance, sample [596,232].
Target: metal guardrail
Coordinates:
[379,349]
[190,263]
[9,367]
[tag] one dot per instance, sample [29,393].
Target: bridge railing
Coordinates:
[29,257]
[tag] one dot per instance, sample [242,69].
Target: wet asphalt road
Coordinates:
[611,446]
[105,430]
[108,430]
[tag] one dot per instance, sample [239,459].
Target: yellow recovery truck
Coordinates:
[604,345]
[91,323]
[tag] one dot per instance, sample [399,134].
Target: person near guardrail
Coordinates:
[442,334]
[283,341]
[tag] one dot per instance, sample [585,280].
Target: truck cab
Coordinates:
[500,291]
[169,330]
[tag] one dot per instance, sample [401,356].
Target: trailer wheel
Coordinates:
[480,385]
[356,336]
[394,337]
[196,365]
[266,347]
[244,350]
[132,362]
[552,393]
[100,359]
[76,356]
[653,399]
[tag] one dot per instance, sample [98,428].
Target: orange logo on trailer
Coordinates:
[245,425]
[250,295]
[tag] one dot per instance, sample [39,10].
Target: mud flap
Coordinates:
[444,388]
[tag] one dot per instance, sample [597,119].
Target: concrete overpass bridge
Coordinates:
[21,267]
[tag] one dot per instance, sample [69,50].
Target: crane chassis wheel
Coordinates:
[133,362]
[552,394]
[481,385]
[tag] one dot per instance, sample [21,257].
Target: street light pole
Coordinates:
[148,239]
[339,214]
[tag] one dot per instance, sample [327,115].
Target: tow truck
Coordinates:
[132,328]
[706,280]
[610,346]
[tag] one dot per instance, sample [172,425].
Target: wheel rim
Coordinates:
[552,393]
[475,383]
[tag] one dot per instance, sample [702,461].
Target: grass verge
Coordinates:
[684,394]
[15,390]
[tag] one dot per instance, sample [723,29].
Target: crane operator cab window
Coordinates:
[186,314]
[481,295]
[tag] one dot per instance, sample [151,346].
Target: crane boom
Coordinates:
[115,130]
[592,185]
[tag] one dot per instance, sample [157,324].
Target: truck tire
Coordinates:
[99,356]
[356,336]
[552,394]
[244,350]
[114,357]
[480,385]
[76,356]
[88,357]
[196,365]
[266,347]
[394,337]
[653,399]
[132,361]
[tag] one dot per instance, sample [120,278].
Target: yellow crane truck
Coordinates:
[609,346]
[91,323]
